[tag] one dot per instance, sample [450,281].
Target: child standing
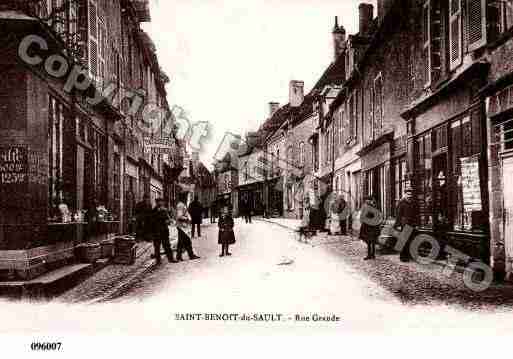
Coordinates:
[226,234]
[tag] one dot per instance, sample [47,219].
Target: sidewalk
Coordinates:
[106,283]
[411,282]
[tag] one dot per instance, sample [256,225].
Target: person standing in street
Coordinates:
[226,234]
[369,231]
[213,210]
[342,208]
[246,210]
[407,215]
[160,221]
[183,221]
[196,212]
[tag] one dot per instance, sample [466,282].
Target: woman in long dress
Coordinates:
[226,234]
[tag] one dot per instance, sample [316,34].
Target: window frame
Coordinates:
[457,16]
[426,40]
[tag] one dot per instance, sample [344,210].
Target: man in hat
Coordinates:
[183,220]
[407,215]
[160,221]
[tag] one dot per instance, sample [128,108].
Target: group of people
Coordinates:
[406,215]
[333,219]
[154,225]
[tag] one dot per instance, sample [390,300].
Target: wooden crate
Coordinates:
[107,249]
[126,256]
[89,252]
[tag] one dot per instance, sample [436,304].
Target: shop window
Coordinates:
[130,201]
[116,177]
[99,155]
[400,181]
[465,213]
[356,192]
[55,154]
[423,178]
[375,186]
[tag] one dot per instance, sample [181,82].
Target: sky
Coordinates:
[227,59]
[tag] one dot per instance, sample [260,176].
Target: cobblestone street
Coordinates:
[259,251]
[272,272]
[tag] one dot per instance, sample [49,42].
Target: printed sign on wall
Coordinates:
[471,184]
[13,165]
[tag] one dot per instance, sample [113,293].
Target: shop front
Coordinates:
[253,194]
[447,165]
[376,174]
[275,197]
[500,137]
[54,167]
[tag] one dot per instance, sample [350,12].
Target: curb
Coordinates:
[123,286]
[145,269]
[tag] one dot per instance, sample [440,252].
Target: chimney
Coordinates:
[339,39]
[366,12]
[252,139]
[383,8]
[273,107]
[296,93]
[195,157]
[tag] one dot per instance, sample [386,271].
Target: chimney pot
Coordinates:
[273,107]
[339,38]
[296,93]
[366,12]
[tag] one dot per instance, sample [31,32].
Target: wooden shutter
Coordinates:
[93,38]
[436,26]
[476,24]
[426,43]
[378,105]
[455,38]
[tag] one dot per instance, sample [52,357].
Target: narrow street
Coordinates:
[271,272]
[266,259]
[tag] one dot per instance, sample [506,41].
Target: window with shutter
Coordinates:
[455,38]
[354,133]
[426,45]
[476,24]
[340,125]
[93,39]
[436,26]
[73,20]
[378,106]
[102,32]
[93,58]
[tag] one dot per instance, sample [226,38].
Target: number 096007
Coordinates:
[37,346]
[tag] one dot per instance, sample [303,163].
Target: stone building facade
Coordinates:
[61,141]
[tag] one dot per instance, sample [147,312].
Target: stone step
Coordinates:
[52,283]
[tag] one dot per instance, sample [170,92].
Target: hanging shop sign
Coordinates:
[470,183]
